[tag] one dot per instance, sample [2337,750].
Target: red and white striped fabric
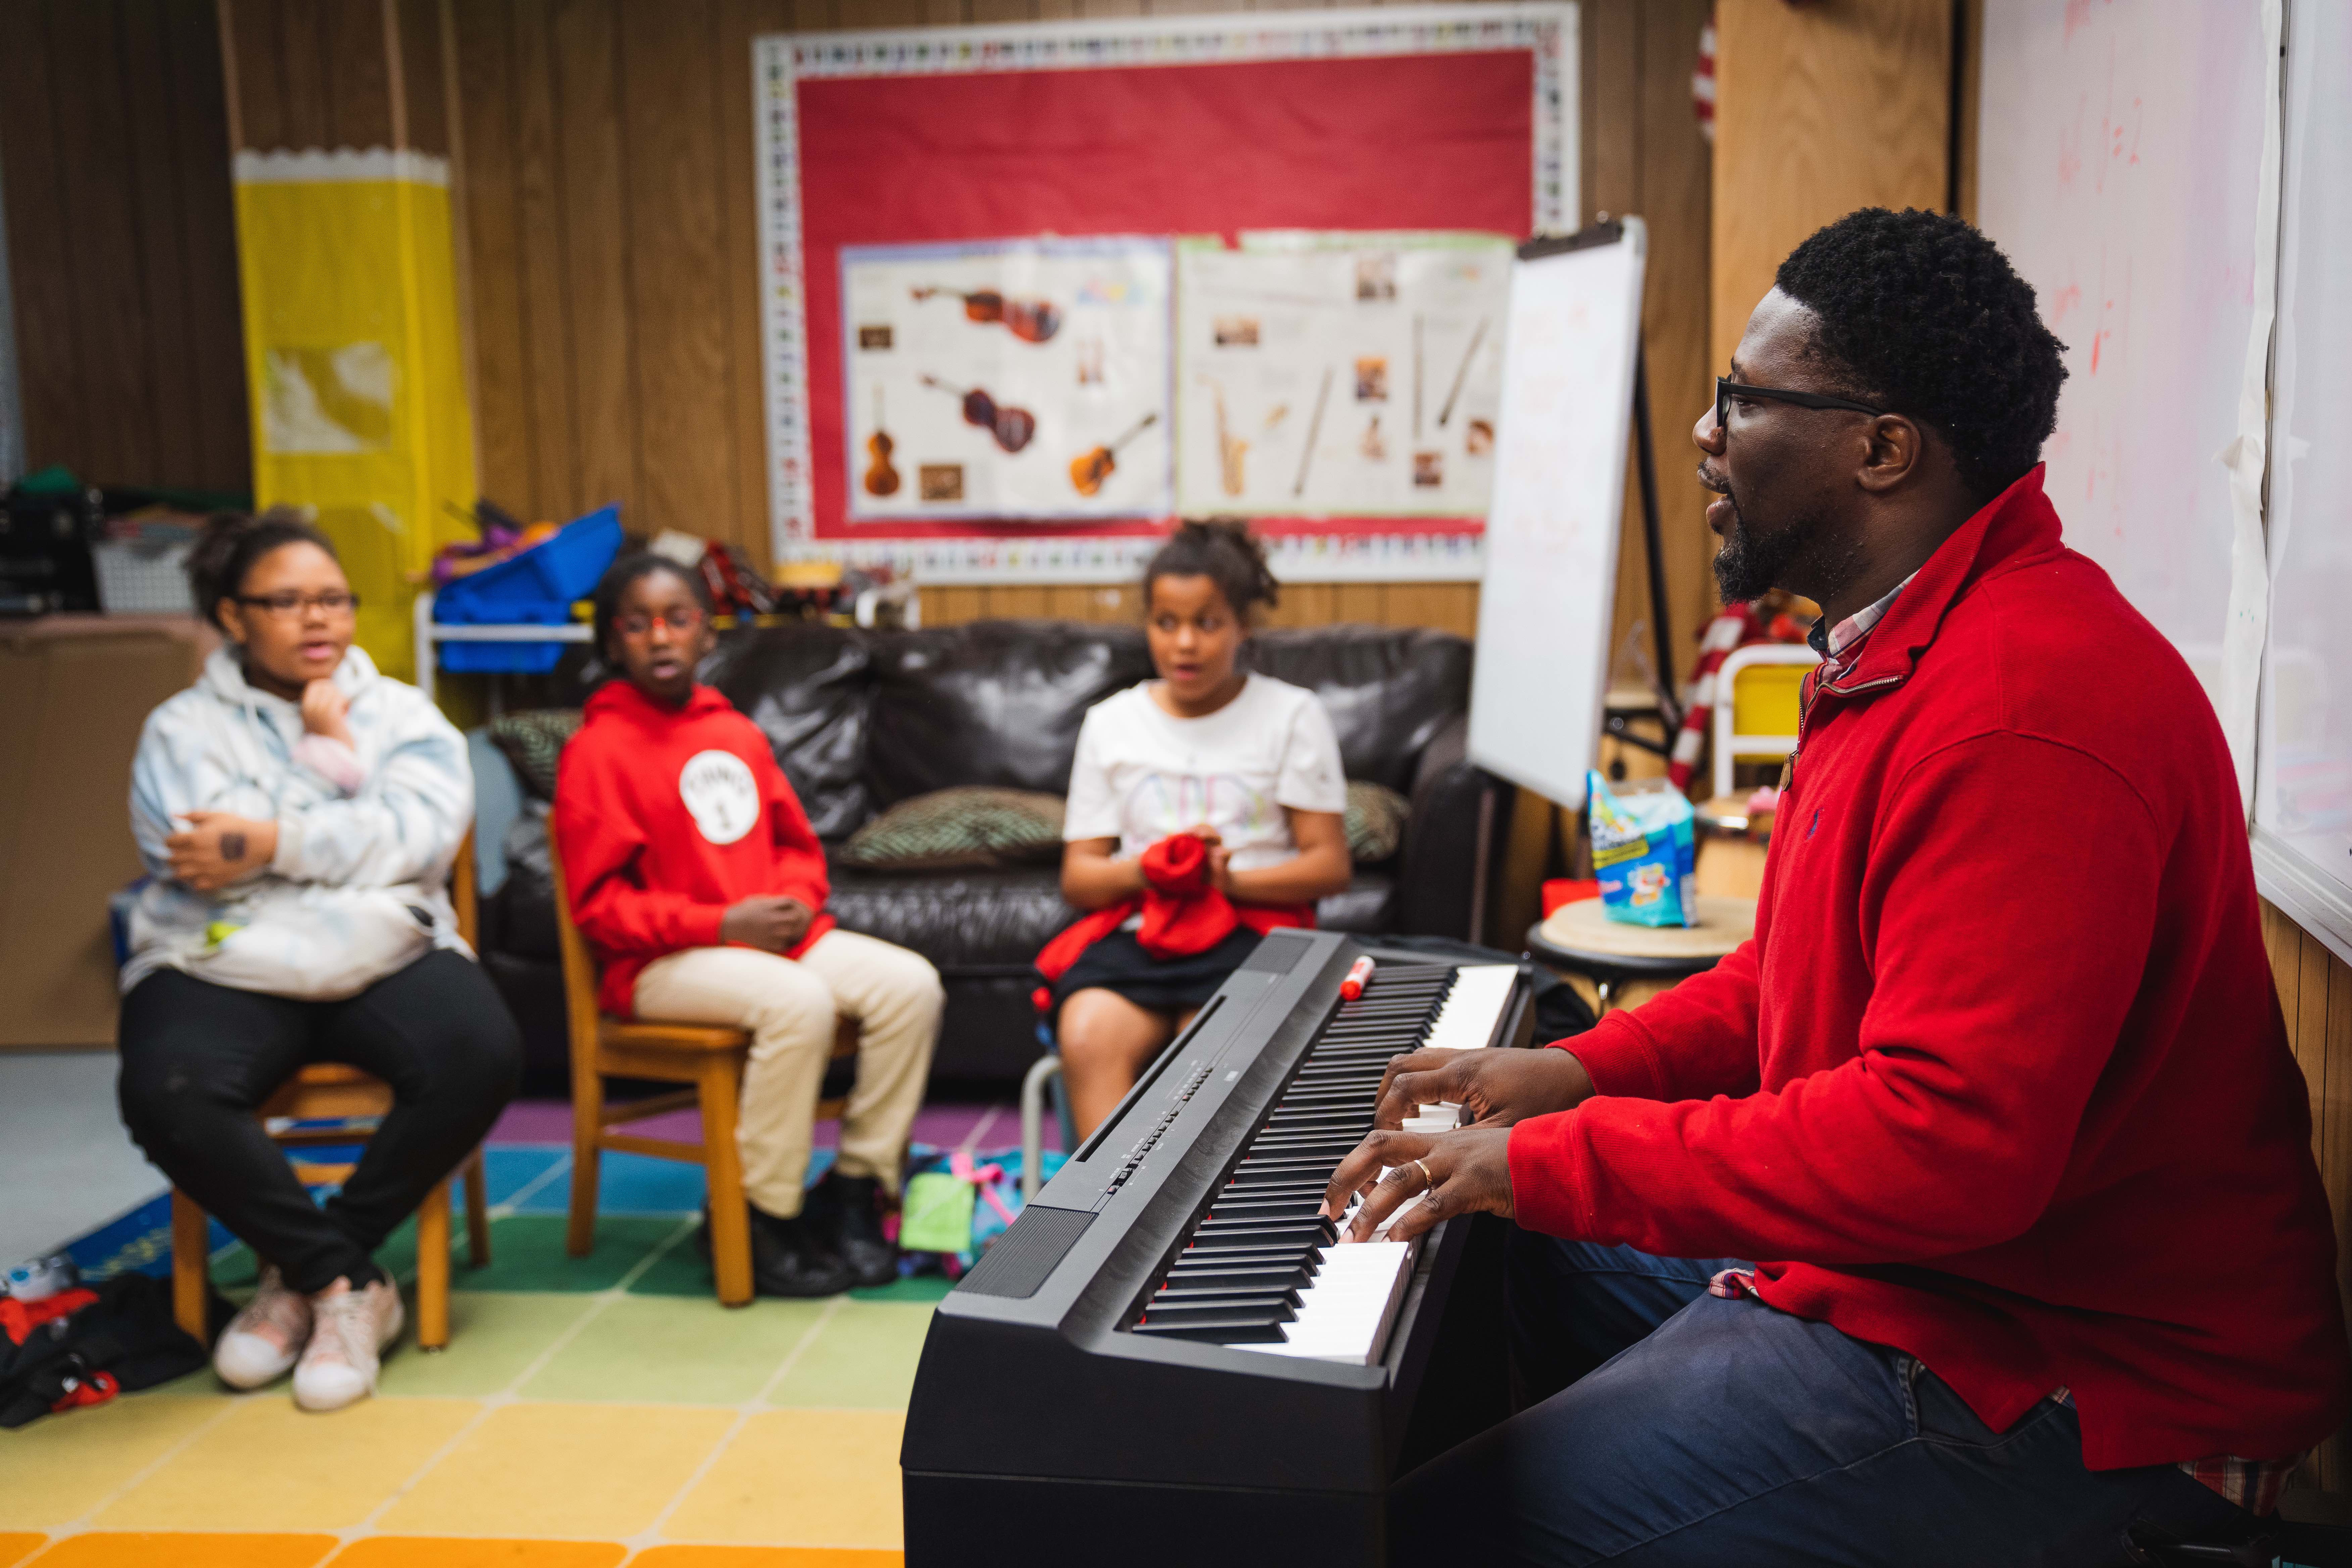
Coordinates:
[1703,81]
[1734,624]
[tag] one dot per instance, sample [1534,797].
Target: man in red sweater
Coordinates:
[1967,1214]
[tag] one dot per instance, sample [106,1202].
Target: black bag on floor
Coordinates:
[128,1333]
[1559,1011]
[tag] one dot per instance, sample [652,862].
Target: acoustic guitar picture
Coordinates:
[1010,428]
[881,479]
[1031,320]
[1089,472]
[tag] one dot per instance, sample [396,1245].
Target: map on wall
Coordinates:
[1339,373]
[1017,378]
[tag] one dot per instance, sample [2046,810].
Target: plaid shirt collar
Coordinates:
[1833,642]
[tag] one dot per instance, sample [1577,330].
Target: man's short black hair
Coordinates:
[1922,315]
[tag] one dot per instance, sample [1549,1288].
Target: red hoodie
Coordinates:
[668,816]
[2001,1080]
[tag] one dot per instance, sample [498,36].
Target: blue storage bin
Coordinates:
[537,587]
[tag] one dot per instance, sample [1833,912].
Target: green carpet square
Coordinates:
[863,1359]
[670,1350]
[493,1335]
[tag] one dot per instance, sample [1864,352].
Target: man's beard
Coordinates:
[1751,563]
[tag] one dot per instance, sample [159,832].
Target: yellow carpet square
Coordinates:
[863,1359]
[765,1557]
[272,1467]
[603,1471]
[493,1336]
[440,1552]
[709,1355]
[801,1478]
[153,1551]
[56,1470]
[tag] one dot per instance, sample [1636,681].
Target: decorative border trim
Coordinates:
[341,167]
[1548,30]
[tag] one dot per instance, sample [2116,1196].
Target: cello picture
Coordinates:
[881,479]
[1010,428]
[1089,472]
[1031,320]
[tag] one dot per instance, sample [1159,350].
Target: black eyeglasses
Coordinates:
[1725,391]
[286,606]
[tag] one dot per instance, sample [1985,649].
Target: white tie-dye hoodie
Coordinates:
[359,833]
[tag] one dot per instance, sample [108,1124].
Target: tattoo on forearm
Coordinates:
[232,846]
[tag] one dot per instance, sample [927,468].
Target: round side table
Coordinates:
[1582,938]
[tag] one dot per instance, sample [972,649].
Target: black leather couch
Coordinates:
[861,721]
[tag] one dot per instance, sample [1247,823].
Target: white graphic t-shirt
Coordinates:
[1142,773]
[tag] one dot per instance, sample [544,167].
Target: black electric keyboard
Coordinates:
[1167,1358]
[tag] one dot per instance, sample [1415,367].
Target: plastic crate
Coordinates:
[537,587]
[136,579]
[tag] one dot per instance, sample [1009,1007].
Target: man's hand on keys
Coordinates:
[1494,1088]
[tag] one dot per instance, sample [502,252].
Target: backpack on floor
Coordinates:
[123,1341]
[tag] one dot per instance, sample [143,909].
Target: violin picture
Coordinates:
[881,479]
[1010,428]
[1089,472]
[1031,320]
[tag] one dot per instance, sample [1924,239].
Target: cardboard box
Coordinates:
[74,690]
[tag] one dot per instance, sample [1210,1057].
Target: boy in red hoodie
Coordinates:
[698,883]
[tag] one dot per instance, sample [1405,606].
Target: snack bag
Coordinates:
[1645,852]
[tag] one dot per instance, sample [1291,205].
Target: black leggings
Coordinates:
[197,1058]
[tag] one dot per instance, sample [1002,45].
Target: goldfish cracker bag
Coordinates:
[1645,852]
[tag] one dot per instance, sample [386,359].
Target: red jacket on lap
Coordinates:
[2001,1080]
[667,817]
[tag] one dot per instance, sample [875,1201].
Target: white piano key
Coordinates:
[1347,1311]
[1480,993]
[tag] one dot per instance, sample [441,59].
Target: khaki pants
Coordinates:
[789,1006]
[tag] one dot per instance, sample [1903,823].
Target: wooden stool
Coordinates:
[1582,939]
[709,1058]
[330,1090]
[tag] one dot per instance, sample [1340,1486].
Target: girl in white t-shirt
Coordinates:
[1249,763]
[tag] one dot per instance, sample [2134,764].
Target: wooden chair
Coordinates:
[327,1090]
[707,1058]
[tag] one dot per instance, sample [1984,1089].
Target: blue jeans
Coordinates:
[1711,1431]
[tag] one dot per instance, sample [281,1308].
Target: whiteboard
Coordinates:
[2119,161]
[2303,782]
[1573,329]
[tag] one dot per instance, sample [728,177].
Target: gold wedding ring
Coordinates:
[1427,1181]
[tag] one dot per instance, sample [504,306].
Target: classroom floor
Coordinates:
[588,1412]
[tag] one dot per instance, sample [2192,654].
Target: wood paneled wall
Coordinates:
[2315,990]
[1448,607]
[121,243]
[1820,108]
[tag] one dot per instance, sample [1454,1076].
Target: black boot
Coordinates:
[853,1205]
[790,1258]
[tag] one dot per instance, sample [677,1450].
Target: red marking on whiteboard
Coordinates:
[2066,300]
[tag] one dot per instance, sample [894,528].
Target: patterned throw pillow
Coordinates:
[1375,821]
[957,829]
[533,738]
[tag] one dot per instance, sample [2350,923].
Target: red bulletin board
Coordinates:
[942,135]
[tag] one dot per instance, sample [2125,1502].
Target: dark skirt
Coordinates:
[1118,963]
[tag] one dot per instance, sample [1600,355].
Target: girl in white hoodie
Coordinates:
[298,814]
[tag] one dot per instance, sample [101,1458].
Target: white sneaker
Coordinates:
[339,1365]
[262,1340]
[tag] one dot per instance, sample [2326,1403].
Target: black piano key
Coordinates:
[1241,1279]
[1210,1296]
[1338,1148]
[1308,1190]
[1323,1231]
[1241,1255]
[1293,1207]
[1245,1331]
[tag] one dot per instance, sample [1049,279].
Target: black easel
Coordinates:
[1610,231]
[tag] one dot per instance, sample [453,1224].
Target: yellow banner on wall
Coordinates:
[353,359]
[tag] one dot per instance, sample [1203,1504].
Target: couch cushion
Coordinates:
[1388,689]
[961,920]
[810,689]
[531,740]
[959,830]
[1375,821]
[991,703]
[1364,907]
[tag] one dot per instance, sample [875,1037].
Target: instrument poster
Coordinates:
[1339,374]
[1007,379]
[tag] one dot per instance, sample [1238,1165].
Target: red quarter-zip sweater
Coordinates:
[668,816]
[2001,1080]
